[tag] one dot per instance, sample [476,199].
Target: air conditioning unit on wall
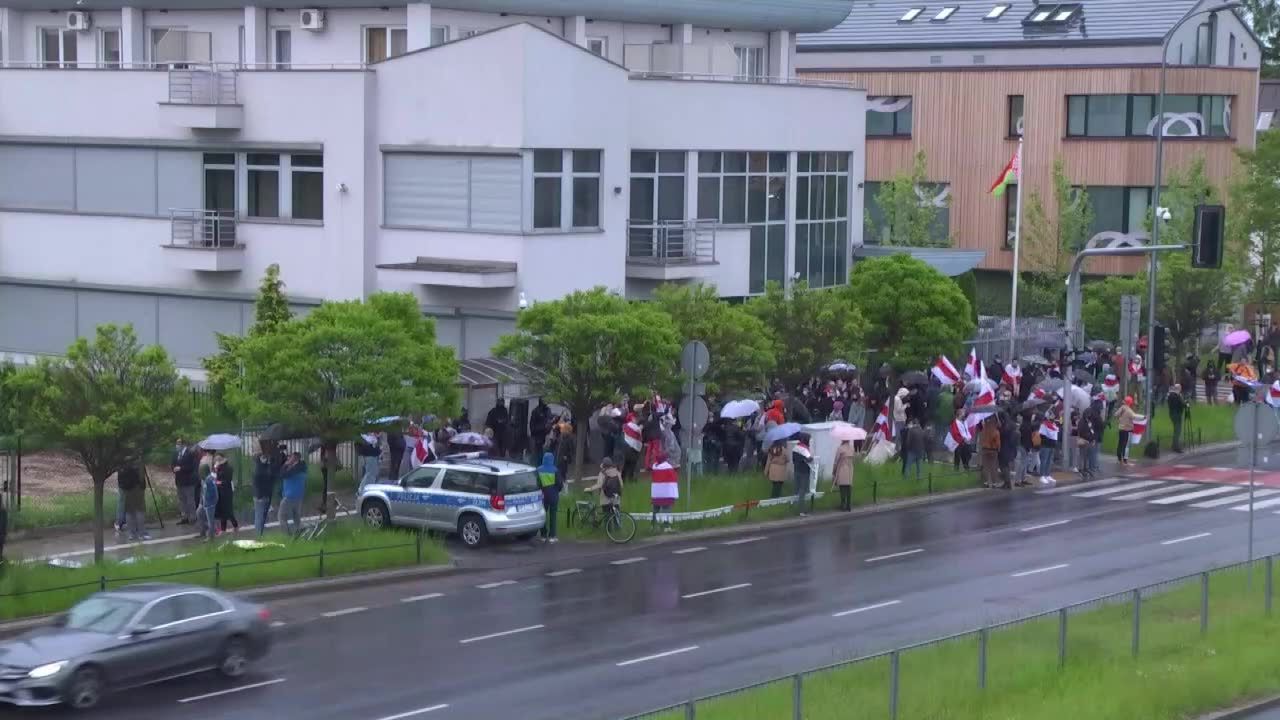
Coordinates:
[77,20]
[311,19]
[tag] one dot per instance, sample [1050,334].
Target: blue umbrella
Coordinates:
[783,432]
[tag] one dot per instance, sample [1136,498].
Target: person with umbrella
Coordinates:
[225,511]
[775,468]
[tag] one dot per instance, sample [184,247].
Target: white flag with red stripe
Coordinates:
[1139,429]
[958,435]
[421,453]
[945,371]
[884,424]
[972,368]
[1111,387]
[664,486]
[1012,375]
[986,397]
[631,434]
[1049,429]
[1273,395]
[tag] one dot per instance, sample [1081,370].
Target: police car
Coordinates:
[472,495]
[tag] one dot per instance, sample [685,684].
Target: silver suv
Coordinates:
[470,494]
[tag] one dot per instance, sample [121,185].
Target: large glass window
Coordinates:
[750,62]
[876,223]
[57,47]
[739,187]
[822,217]
[264,184]
[1134,115]
[889,117]
[381,43]
[553,170]
[109,47]
[548,172]
[1118,208]
[308,186]
[1016,103]
[281,48]
[220,181]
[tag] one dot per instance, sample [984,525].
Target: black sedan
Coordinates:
[133,636]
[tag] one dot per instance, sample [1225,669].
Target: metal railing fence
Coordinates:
[202,85]
[202,228]
[671,242]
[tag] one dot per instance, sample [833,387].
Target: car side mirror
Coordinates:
[404,481]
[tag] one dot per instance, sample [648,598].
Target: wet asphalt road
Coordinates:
[650,625]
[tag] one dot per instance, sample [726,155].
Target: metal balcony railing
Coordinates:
[209,229]
[671,242]
[203,85]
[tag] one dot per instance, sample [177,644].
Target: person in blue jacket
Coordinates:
[551,484]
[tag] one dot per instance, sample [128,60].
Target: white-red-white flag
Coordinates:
[972,368]
[1139,429]
[664,486]
[884,424]
[421,453]
[945,371]
[631,433]
[1049,429]
[1111,386]
[1012,375]
[986,397]
[957,435]
[1273,395]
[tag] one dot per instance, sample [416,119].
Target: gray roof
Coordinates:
[948,261]
[1268,104]
[876,25]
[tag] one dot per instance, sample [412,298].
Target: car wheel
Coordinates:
[85,688]
[472,530]
[376,515]
[234,660]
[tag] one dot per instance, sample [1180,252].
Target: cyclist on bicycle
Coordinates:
[609,485]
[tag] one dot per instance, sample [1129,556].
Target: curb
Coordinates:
[1243,711]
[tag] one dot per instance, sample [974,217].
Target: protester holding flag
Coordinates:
[973,369]
[959,441]
[1124,419]
[664,486]
[1049,432]
[1012,376]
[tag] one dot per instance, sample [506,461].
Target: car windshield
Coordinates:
[521,482]
[102,613]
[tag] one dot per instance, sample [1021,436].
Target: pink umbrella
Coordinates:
[845,431]
[1239,337]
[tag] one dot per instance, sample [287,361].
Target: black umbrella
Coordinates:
[1051,385]
[1083,376]
[1034,360]
[1098,346]
[1032,403]
[914,377]
[276,432]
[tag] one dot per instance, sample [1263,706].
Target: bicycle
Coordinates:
[619,526]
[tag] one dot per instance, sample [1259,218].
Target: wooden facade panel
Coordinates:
[960,120]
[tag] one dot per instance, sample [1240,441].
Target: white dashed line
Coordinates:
[1222,469]
[504,633]
[647,658]
[905,553]
[628,561]
[1185,467]
[220,693]
[562,573]
[417,598]
[414,713]
[345,611]
[1056,523]
[1037,571]
[717,590]
[686,551]
[877,606]
[277,624]
[1197,536]
[744,541]
[492,585]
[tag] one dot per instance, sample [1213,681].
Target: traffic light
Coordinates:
[1206,237]
[1156,350]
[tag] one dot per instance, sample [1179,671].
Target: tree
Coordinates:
[1049,246]
[1100,311]
[741,351]
[270,313]
[909,215]
[1254,219]
[1264,17]
[809,329]
[590,347]
[913,311]
[109,402]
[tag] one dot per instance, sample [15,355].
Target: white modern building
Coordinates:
[481,154]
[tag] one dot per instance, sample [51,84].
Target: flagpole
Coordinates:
[1017,244]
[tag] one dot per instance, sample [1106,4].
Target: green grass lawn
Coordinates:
[1208,424]
[1178,673]
[38,589]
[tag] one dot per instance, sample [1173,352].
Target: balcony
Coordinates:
[666,250]
[203,98]
[204,241]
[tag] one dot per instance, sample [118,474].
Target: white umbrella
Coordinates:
[221,441]
[845,431]
[735,409]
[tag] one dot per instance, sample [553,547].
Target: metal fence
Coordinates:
[11,475]
[1034,335]
[978,659]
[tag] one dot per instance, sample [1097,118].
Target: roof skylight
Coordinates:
[1050,14]
[911,14]
[945,12]
[997,11]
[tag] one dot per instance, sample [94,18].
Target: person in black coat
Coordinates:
[396,445]
[225,511]
[499,421]
[185,459]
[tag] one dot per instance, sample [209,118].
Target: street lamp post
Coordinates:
[1159,177]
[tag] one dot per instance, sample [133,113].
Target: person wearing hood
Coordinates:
[551,483]
[898,413]
[775,413]
[775,468]
[802,466]
[609,485]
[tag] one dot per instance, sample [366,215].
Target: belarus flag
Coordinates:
[664,487]
[884,425]
[1049,429]
[1273,395]
[986,397]
[973,369]
[945,371]
[631,433]
[1012,375]
[1139,429]
[958,435]
[421,454]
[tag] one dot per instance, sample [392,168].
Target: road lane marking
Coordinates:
[277,624]
[242,688]
[1076,487]
[492,585]
[1257,505]
[1233,499]
[1185,467]
[863,609]
[414,713]
[1118,488]
[628,561]
[905,553]
[686,551]
[1195,495]
[1157,491]
[1037,571]
[504,633]
[1055,523]
[744,541]
[1197,536]
[739,586]
[659,656]
[416,598]
[1222,469]
[562,573]
[344,611]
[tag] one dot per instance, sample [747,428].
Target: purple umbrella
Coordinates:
[1239,337]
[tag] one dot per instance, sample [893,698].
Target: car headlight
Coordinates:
[45,671]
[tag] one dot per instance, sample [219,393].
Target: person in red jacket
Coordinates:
[775,413]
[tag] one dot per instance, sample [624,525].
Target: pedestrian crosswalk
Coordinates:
[1226,496]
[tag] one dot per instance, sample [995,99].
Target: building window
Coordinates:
[1010,214]
[889,117]
[220,181]
[586,188]
[439,34]
[381,43]
[453,191]
[1231,50]
[57,47]
[738,187]
[1117,208]
[263,185]
[109,47]
[1015,115]
[598,46]
[548,173]
[1205,33]
[750,62]
[281,48]
[552,171]
[307,175]
[657,186]
[1135,115]
[822,218]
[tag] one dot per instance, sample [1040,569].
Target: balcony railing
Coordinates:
[671,242]
[209,229]
[202,86]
